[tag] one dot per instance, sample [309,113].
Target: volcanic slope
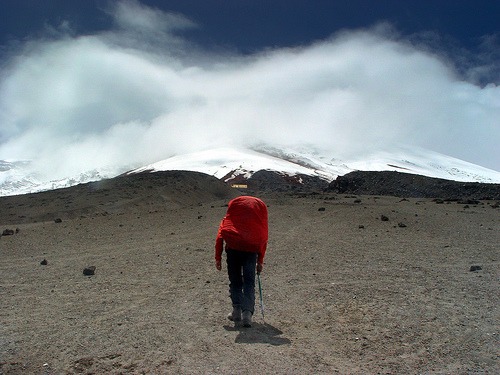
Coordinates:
[352,283]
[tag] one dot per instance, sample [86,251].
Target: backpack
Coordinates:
[245,226]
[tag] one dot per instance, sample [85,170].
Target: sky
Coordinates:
[120,84]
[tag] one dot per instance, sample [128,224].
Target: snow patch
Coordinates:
[229,163]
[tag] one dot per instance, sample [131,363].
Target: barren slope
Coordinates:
[345,291]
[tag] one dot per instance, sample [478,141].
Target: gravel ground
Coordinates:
[353,284]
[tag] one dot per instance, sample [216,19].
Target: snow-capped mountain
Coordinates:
[228,163]
[19,178]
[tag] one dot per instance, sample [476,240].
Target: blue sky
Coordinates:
[256,24]
[79,77]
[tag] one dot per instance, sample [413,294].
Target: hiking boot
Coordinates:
[235,316]
[247,318]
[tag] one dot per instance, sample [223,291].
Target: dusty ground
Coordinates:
[344,291]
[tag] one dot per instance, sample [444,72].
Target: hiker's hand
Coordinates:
[218,265]
[260,266]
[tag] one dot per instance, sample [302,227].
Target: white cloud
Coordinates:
[105,100]
[130,14]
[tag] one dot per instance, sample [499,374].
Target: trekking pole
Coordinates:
[261,299]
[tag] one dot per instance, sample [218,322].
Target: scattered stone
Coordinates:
[401,225]
[44,262]
[475,268]
[58,220]
[469,201]
[89,271]
[361,227]
[321,209]
[357,201]
[438,201]
[384,218]
[8,232]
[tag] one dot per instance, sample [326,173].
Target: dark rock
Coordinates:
[44,262]
[402,225]
[475,268]
[412,186]
[89,271]
[8,232]
[278,182]
[58,220]
[384,218]
[469,201]
[361,227]
[321,209]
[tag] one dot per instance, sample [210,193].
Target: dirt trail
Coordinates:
[345,292]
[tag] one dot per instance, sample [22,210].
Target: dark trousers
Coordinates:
[241,271]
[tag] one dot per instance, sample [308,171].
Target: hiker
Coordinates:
[244,230]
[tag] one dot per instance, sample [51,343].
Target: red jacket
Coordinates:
[244,228]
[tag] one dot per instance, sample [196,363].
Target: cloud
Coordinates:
[131,14]
[127,97]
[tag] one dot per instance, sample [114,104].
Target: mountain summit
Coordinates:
[236,164]
[231,163]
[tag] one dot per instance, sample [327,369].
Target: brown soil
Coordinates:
[344,290]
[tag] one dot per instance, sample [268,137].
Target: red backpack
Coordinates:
[245,226]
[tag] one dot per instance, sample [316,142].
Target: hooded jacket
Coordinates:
[244,228]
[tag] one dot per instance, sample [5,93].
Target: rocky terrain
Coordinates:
[410,185]
[373,274]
